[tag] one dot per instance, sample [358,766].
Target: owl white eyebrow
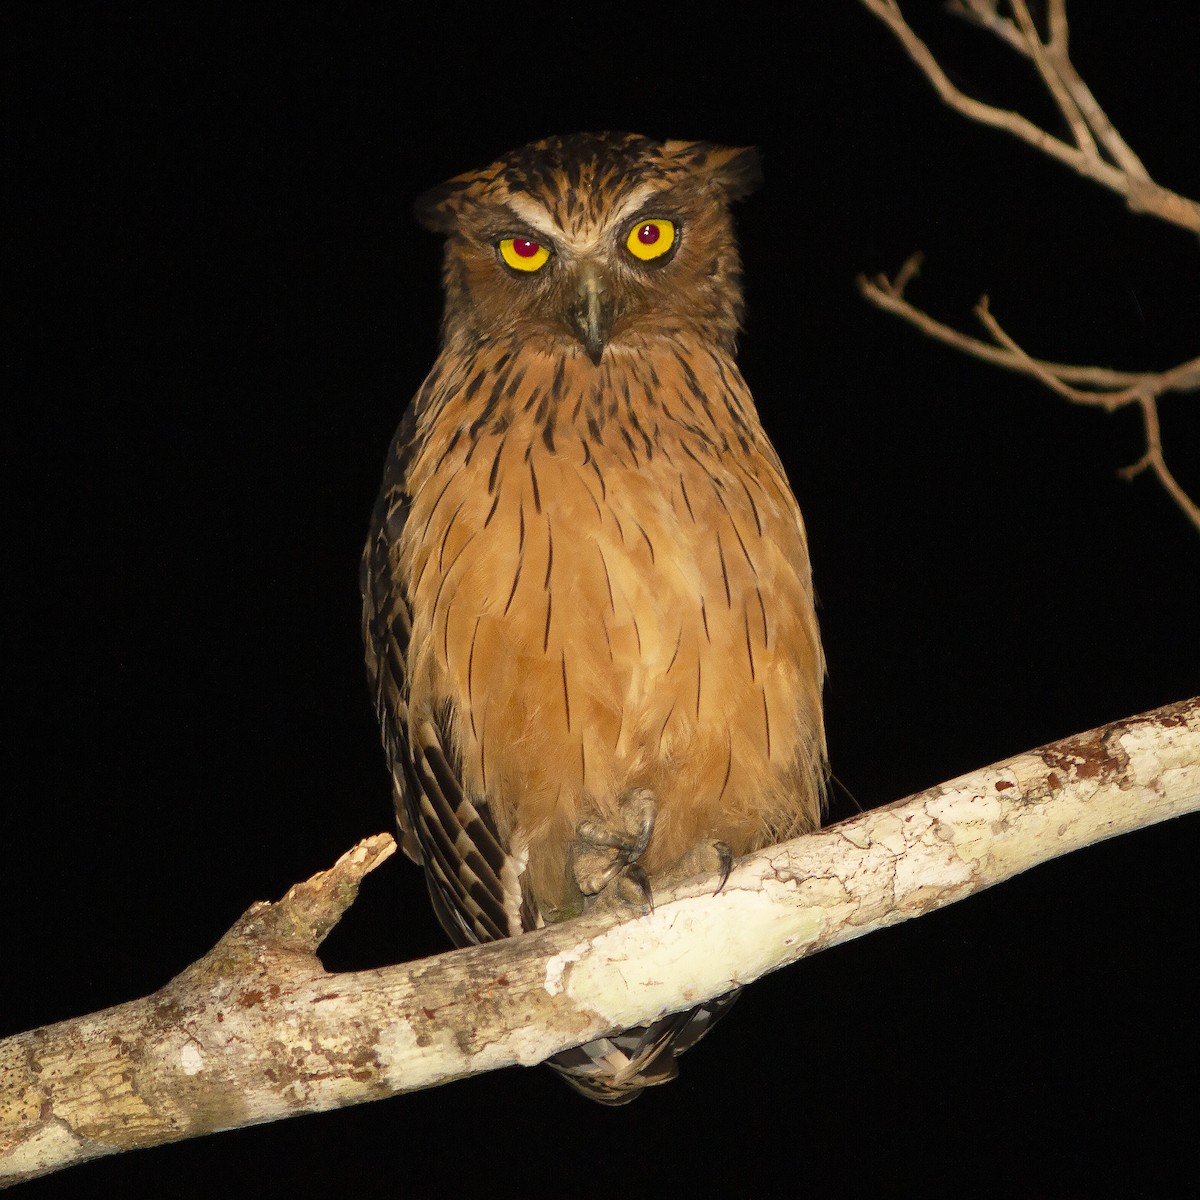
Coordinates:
[635,200]
[532,213]
[542,225]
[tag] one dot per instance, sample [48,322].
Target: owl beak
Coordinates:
[592,314]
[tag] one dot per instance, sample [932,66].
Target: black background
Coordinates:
[222,307]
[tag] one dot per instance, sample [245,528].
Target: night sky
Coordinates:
[222,307]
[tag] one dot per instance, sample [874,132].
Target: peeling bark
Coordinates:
[258,1030]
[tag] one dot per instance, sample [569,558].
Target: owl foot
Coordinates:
[608,854]
[630,888]
[704,858]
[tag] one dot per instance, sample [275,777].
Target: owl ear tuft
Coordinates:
[439,208]
[732,170]
[736,169]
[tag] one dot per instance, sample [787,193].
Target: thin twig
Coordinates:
[1153,458]
[888,294]
[983,13]
[1102,387]
[1096,387]
[1047,65]
[1056,23]
[1141,193]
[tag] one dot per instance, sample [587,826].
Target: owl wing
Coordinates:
[474,883]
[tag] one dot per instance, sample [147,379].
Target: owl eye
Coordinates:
[651,239]
[522,254]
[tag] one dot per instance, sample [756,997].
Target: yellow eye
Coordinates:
[649,240]
[523,255]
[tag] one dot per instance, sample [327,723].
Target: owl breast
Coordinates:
[610,589]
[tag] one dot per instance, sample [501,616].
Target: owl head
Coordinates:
[593,243]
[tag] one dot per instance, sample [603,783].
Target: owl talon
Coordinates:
[602,852]
[725,864]
[704,858]
[632,887]
[594,870]
[641,806]
[629,888]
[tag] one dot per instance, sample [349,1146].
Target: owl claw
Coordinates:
[725,864]
[602,853]
[704,858]
[633,888]
[606,858]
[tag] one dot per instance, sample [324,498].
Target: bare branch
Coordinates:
[1097,387]
[984,14]
[1048,64]
[1153,458]
[1056,20]
[1101,387]
[1182,378]
[888,294]
[1128,178]
[258,1030]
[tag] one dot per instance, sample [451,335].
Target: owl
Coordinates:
[587,600]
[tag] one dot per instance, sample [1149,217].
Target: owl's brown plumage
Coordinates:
[588,608]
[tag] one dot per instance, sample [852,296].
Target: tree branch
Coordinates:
[1091,129]
[984,13]
[258,1030]
[1128,178]
[1101,387]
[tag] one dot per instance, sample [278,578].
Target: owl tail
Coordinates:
[614,1070]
